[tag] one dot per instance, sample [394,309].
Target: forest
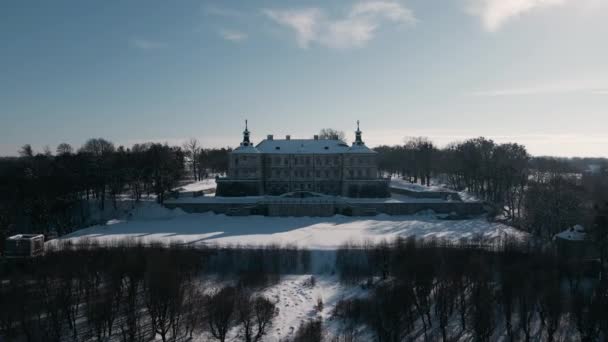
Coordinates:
[56,192]
[541,195]
[409,288]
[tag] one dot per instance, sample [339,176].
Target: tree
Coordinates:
[311,331]
[599,235]
[166,168]
[221,312]
[423,151]
[552,206]
[63,149]
[192,150]
[254,314]
[26,151]
[332,134]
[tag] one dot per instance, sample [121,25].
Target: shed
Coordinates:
[24,245]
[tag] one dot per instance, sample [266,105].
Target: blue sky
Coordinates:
[530,71]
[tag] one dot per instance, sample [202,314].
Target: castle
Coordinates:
[279,166]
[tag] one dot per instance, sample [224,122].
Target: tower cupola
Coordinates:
[358,140]
[246,141]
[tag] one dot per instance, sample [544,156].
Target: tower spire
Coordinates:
[358,140]
[246,141]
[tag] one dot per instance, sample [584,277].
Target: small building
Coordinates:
[573,242]
[24,246]
[279,166]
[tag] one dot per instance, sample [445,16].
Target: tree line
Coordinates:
[131,292]
[543,195]
[415,289]
[432,290]
[48,191]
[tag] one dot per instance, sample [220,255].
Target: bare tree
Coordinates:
[254,314]
[332,134]
[192,151]
[26,151]
[221,312]
[63,149]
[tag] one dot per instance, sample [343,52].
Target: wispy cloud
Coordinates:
[354,29]
[555,87]
[495,13]
[146,44]
[232,35]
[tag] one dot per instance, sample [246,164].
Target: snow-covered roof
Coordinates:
[26,237]
[360,149]
[312,146]
[246,149]
[576,233]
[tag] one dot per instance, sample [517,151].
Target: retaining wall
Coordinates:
[329,209]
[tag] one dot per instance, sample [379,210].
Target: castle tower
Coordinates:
[358,141]
[246,141]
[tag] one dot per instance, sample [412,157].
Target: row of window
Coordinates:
[277,189]
[284,173]
[307,160]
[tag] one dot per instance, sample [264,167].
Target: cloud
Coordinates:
[357,27]
[233,36]
[495,13]
[304,22]
[555,87]
[146,44]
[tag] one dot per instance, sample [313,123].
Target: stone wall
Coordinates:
[445,195]
[296,209]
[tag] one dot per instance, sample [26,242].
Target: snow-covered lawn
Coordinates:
[398,183]
[204,184]
[149,222]
[406,185]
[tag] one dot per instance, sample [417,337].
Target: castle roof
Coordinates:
[309,146]
[246,149]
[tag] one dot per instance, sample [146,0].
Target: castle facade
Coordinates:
[279,166]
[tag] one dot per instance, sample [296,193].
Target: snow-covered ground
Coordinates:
[403,184]
[399,183]
[296,299]
[149,222]
[204,184]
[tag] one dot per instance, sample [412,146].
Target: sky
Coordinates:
[528,71]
